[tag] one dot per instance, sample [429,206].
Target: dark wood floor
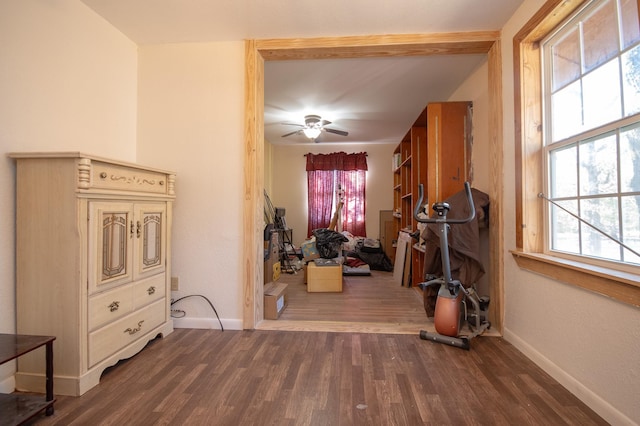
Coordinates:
[211,377]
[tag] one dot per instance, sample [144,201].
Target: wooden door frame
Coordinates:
[257,51]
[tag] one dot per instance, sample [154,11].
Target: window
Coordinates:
[331,179]
[591,120]
[576,132]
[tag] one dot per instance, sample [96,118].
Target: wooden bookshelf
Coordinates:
[434,152]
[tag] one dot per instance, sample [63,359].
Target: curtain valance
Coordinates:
[337,161]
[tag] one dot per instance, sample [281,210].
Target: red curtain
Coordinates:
[324,173]
[353,185]
[320,184]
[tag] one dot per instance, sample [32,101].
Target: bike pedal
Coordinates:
[483,302]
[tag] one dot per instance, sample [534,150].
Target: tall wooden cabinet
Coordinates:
[435,152]
[92,263]
[448,163]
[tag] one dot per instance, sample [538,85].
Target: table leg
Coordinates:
[49,377]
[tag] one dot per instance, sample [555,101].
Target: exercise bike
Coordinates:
[452,310]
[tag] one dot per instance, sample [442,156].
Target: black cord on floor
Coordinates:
[208,301]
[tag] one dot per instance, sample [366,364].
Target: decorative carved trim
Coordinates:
[171,184]
[84,173]
[133,179]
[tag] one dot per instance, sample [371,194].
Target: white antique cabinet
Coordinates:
[92,263]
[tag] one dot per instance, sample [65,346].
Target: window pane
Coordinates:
[630,26]
[596,172]
[600,32]
[564,172]
[602,213]
[602,100]
[631,227]
[631,81]
[598,166]
[566,110]
[566,59]
[630,159]
[565,228]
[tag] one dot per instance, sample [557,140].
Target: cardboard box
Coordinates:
[275,300]
[324,278]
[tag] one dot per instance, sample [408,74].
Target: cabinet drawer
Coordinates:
[111,338]
[149,290]
[109,306]
[111,176]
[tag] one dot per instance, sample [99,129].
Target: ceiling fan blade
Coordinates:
[293,124]
[324,122]
[292,133]
[337,132]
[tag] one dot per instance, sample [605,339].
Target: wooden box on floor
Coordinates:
[324,278]
[275,300]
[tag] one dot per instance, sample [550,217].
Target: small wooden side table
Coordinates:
[15,408]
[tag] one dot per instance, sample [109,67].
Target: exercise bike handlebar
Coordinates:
[472,213]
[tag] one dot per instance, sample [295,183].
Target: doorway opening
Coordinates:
[258,51]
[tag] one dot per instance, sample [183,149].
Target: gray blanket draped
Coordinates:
[464,244]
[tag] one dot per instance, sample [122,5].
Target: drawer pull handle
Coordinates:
[151,290]
[114,306]
[138,229]
[134,330]
[103,175]
[131,230]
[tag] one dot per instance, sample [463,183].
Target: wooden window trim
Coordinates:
[624,287]
[618,285]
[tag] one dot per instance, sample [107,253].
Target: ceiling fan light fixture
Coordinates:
[311,132]
[312,128]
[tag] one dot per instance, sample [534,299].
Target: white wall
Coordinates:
[268,167]
[476,89]
[191,120]
[67,83]
[289,180]
[589,343]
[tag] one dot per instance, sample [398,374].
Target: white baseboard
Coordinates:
[8,385]
[207,323]
[584,394]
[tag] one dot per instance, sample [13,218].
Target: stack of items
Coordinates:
[324,261]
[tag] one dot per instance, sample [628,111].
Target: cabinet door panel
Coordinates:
[150,239]
[110,244]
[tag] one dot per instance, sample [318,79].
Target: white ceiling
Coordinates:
[374,99]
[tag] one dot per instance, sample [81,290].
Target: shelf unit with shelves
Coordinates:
[434,152]
[409,172]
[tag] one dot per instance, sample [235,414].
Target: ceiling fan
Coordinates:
[313,126]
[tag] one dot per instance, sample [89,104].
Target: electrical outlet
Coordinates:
[175,284]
